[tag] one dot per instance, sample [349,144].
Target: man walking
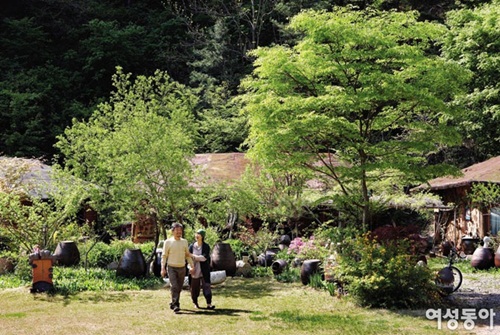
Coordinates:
[175,254]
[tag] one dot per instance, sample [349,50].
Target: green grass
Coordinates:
[244,306]
[464,265]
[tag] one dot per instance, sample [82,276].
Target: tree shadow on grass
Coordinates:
[217,311]
[247,288]
[91,297]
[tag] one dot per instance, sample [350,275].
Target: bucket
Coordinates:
[223,258]
[67,253]
[132,264]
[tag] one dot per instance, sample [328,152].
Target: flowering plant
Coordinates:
[307,249]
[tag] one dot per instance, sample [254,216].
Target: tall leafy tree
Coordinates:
[34,207]
[137,148]
[360,93]
[474,41]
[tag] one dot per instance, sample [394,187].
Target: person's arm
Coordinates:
[164,257]
[199,258]
[189,257]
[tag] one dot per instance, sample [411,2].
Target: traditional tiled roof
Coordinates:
[29,174]
[484,172]
[221,167]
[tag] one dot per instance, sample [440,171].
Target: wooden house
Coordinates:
[460,218]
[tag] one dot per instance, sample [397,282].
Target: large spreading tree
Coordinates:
[361,97]
[136,148]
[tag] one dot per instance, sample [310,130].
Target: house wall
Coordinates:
[459,222]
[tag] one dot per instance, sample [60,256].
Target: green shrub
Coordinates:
[71,280]
[336,235]
[384,275]
[102,254]
[238,247]
[315,281]
[289,275]
[261,271]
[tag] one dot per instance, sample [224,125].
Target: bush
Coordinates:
[102,254]
[238,247]
[71,280]
[307,249]
[289,275]
[385,275]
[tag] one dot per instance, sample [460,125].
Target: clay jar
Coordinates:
[223,258]
[278,266]
[308,268]
[497,258]
[482,258]
[67,253]
[132,264]
[469,244]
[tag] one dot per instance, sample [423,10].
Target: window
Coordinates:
[495,220]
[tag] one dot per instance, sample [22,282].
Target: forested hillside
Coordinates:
[57,58]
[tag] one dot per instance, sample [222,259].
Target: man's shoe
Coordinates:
[177,309]
[172,305]
[210,307]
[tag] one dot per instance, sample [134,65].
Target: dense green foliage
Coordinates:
[385,275]
[473,41]
[130,91]
[359,98]
[137,147]
[57,57]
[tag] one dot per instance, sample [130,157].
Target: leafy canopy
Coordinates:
[473,41]
[137,147]
[361,92]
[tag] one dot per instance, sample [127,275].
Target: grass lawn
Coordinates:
[244,306]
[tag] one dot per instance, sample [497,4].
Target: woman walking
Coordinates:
[200,276]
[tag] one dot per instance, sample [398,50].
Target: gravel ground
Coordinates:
[479,290]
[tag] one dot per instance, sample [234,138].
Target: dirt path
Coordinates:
[480,290]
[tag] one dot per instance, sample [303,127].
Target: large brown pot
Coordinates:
[279,266]
[497,258]
[267,258]
[67,253]
[223,258]
[308,268]
[132,264]
[446,248]
[482,258]
[469,244]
